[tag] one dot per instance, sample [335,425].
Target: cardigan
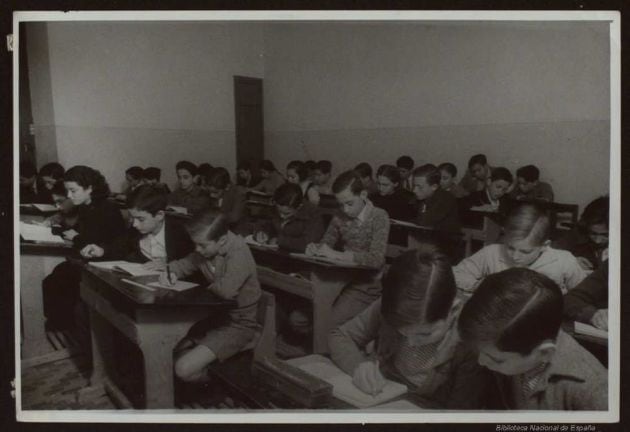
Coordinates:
[560,266]
[453,380]
[365,236]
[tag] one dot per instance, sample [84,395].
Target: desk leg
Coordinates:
[327,284]
[102,347]
[157,351]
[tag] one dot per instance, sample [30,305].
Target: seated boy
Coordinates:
[188,194]
[133,179]
[321,177]
[529,187]
[494,197]
[513,320]
[405,166]
[155,237]
[151,176]
[365,171]
[436,207]
[588,301]
[448,171]
[478,174]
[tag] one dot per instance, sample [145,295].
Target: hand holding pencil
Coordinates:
[367,377]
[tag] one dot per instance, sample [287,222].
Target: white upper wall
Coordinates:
[346,76]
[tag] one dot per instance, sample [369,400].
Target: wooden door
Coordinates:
[248,105]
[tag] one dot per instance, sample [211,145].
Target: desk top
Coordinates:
[160,297]
[43,248]
[316,261]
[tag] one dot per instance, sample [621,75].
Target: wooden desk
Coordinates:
[153,320]
[322,286]
[37,260]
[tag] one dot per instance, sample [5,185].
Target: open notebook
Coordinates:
[39,233]
[343,388]
[129,268]
[45,208]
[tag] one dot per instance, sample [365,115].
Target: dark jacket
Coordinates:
[306,226]
[581,303]
[440,212]
[397,205]
[99,222]
[127,247]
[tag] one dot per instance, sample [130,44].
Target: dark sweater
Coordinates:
[99,223]
[439,211]
[581,303]
[397,205]
[306,226]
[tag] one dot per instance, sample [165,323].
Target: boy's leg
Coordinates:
[191,365]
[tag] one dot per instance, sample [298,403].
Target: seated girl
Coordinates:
[413,326]
[525,244]
[391,196]
[227,264]
[295,224]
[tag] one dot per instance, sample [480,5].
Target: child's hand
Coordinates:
[312,249]
[585,263]
[326,251]
[164,279]
[368,378]
[600,319]
[70,234]
[156,264]
[261,237]
[92,251]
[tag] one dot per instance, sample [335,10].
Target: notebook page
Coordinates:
[39,233]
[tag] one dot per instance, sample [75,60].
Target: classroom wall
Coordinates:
[521,93]
[144,94]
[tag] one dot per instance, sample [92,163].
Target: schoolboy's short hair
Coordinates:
[529,173]
[208,225]
[324,166]
[310,165]
[188,166]
[152,173]
[515,310]
[364,169]
[300,169]
[405,162]
[501,173]
[288,194]
[449,168]
[478,159]
[27,169]
[348,179]
[267,165]
[595,213]
[135,172]
[429,172]
[219,178]
[148,198]
[389,171]
[528,220]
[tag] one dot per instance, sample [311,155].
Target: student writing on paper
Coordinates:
[226,262]
[513,320]
[494,197]
[413,326]
[525,244]
[153,238]
[99,222]
[588,301]
[362,231]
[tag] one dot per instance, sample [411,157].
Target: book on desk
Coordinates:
[44,208]
[39,234]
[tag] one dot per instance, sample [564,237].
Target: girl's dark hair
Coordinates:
[514,310]
[267,165]
[429,172]
[389,171]
[501,173]
[449,168]
[149,199]
[52,169]
[364,169]
[288,194]
[349,179]
[59,189]
[300,169]
[595,213]
[135,171]
[188,166]
[85,177]
[219,178]
[419,287]
[208,225]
